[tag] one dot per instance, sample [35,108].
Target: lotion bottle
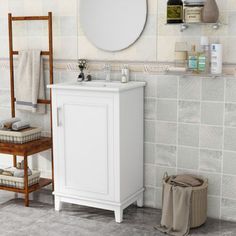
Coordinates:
[216,58]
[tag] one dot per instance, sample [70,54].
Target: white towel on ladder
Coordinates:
[30,82]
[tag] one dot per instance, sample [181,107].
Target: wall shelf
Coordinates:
[185,26]
[195,74]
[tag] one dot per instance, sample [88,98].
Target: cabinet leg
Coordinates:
[52,169]
[119,215]
[58,204]
[140,200]
[26,181]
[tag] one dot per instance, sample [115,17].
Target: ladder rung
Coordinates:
[22,18]
[43,101]
[43,53]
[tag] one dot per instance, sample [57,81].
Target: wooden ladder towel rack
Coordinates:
[43,143]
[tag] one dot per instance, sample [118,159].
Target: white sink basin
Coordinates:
[99,85]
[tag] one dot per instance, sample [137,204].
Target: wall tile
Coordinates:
[189,88]
[213,207]
[211,137]
[149,197]
[230,90]
[229,163]
[213,89]
[149,131]
[158,198]
[149,175]
[5,98]
[68,25]
[210,160]
[188,135]
[165,155]
[214,183]
[181,171]
[228,209]
[166,133]
[151,86]
[212,113]
[188,158]
[189,112]
[167,86]
[150,108]
[166,110]
[149,153]
[229,186]
[230,137]
[230,114]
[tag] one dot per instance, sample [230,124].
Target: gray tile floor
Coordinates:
[41,219]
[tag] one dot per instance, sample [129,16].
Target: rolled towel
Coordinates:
[20,173]
[7,124]
[20,125]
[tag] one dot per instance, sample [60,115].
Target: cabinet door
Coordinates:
[85,146]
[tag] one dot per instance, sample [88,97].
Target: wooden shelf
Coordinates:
[42,144]
[26,149]
[42,183]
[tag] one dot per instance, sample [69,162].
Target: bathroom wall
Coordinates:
[190,122]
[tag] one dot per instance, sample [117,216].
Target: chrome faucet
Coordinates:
[107,69]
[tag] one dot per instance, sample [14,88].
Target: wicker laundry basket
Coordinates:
[198,212]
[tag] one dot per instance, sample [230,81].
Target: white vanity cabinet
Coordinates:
[98,144]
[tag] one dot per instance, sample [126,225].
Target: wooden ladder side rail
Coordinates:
[44,53]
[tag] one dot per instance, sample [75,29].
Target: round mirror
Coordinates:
[113,25]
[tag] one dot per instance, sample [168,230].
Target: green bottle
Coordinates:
[193,59]
[174,11]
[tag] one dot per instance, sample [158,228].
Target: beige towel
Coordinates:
[176,206]
[30,82]
[7,124]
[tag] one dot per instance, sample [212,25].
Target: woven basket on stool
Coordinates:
[198,213]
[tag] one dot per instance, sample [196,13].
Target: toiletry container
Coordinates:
[193,12]
[181,53]
[210,13]
[216,58]
[174,11]
[204,56]
[193,59]
[125,74]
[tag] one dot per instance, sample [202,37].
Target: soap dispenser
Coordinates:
[125,74]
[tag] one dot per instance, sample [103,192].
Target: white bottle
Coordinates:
[125,74]
[216,58]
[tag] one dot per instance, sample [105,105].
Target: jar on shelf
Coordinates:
[193,12]
[181,53]
[174,11]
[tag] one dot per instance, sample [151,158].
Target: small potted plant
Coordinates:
[82,64]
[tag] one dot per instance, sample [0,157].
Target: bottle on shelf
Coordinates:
[204,56]
[216,58]
[174,11]
[193,59]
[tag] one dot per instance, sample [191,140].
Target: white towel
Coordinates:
[30,82]
[20,125]
[8,122]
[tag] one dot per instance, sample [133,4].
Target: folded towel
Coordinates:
[30,82]
[20,125]
[7,124]
[20,173]
[185,181]
[16,172]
